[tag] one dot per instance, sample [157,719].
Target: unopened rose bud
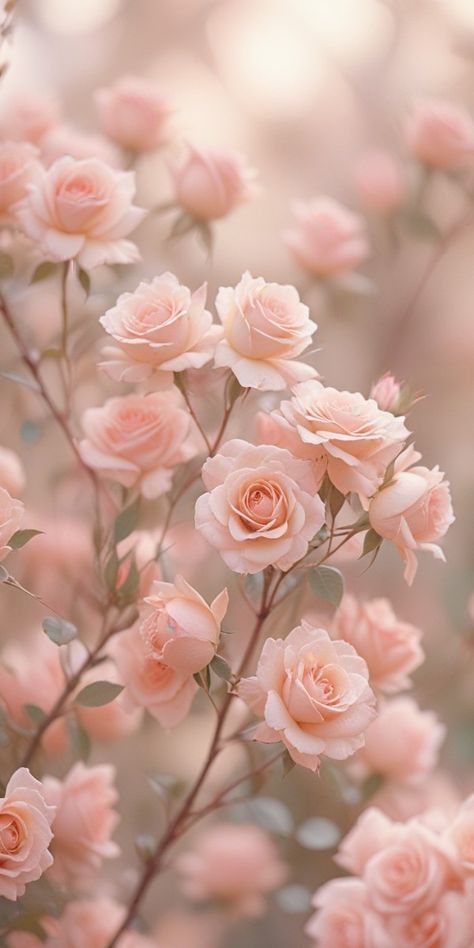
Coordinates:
[211,183]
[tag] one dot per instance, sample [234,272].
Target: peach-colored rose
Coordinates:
[440,134]
[403,742]
[25,834]
[346,435]
[108,722]
[160,328]
[19,167]
[11,516]
[327,239]
[343,918]
[460,835]
[137,440]
[313,694]
[210,183]
[414,511]
[66,140]
[134,114]
[28,116]
[390,647]
[82,210]
[183,630]
[86,922]
[380,181]
[12,472]
[372,832]
[84,820]
[386,392]
[266,327]
[149,683]
[262,507]
[237,864]
[64,549]
[446,923]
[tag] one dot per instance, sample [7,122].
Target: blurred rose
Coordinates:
[28,116]
[108,722]
[403,742]
[386,392]
[446,923]
[460,834]
[210,183]
[25,834]
[87,922]
[343,918]
[66,140]
[327,239]
[380,181]
[441,135]
[12,472]
[19,167]
[64,549]
[11,516]
[266,327]
[134,114]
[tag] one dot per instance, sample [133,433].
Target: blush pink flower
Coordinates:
[262,507]
[345,435]
[11,517]
[403,742]
[108,722]
[447,923]
[210,183]
[372,832]
[237,864]
[19,167]
[343,918]
[91,922]
[386,392]
[460,834]
[161,328]
[12,472]
[414,511]
[137,440]
[66,140]
[134,114]
[390,647]
[313,694]
[25,834]
[82,210]
[441,135]
[327,239]
[28,116]
[266,327]
[380,182]
[182,629]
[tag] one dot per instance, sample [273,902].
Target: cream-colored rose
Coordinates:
[210,183]
[327,239]
[11,516]
[25,834]
[134,114]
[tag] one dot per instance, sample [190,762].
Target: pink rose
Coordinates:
[11,516]
[441,135]
[447,923]
[66,140]
[413,511]
[266,327]
[343,918]
[313,694]
[137,440]
[380,181]
[82,210]
[403,742]
[86,922]
[460,834]
[211,183]
[108,722]
[160,328]
[28,116]
[183,630]
[327,239]
[134,114]
[390,647]
[12,472]
[262,507]
[84,820]
[372,833]
[25,834]
[345,435]
[386,392]
[19,167]
[238,864]
[64,549]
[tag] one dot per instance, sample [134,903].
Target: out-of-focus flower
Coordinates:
[64,549]
[108,722]
[236,864]
[266,327]
[12,472]
[262,507]
[66,140]
[414,511]
[82,210]
[28,116]
[403,742]
[160,328]
[137,440]
[313,694]
[19,167]
[380,181]
[447,922]
[386,392]
[11,516]
[25,834]
[460,834]
[134,114]
[441,135]
[91,922]
[327,239]
[343,917]
[209,184]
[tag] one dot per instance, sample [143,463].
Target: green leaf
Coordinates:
[21,537]
[221,667]
[98,693]
[6,266]
[126,521]
[327,583]
[35,714]
[273,815]
[287,763]
[203,678]
[60,631]
[44,270]
[129,588]
[335,500]
[318,833]
[84,280]
[372,541]
[111,570]
[233,390]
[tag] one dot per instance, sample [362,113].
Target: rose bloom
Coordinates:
[134,114]
[160,328]
[346,435]
[11,516]
[390,647]
[460,834]
[238,864]
[84,820]
[64,549]
[183,630]
[413,511]
[386,392]
[66,140]
[262,507]
[137,440]
[86,922]
[441,135]
[108,722]
[82,210]
[447,923]
[12,472]
[209,184]
[313,694]
[327,239]
[266,326]
[379,181]
[19,167]
[25,834]
[403,742]
[343,918]
[28,116]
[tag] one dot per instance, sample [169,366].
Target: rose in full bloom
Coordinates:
[414,511]
[92,922]
[379,180]
[460,835]
[403,742]
[25,834]
[11,516]
[19,167]
[210,183]
[327,239]
[446,923]
[313,694]
[441,135]
[84,820]
[134,114]
[66,140]
[346,435]
[137,440]
[12,472]
[182,629]
[82,210]
[343,918]
[390,647]
[160,328]
[262,507]
[237,864]
[266,327]
[28,116]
